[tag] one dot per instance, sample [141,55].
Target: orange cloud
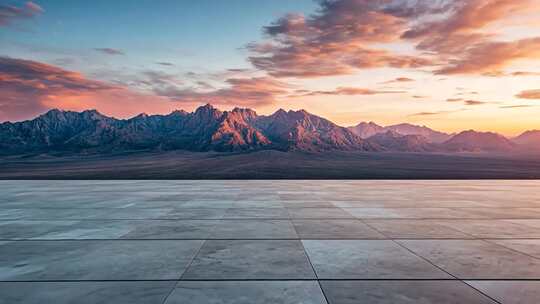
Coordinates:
[29,88]
[399,79]
[462,22]
[346,91]
[335,41]
[529,94]
[341,37]
[490,56]
[474,102]
[461,39]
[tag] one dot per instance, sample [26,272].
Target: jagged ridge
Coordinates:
[205,129]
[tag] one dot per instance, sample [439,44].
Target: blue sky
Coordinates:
[205,34]
[468,64]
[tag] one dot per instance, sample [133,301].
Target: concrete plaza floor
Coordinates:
[335,242]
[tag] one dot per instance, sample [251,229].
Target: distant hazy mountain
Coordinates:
[429,134]
[528,139]
[209,129]
[393,141]
[368,129]
[472,141]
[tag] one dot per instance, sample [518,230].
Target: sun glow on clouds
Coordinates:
[384,60]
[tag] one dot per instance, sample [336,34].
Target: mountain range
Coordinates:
[209,129]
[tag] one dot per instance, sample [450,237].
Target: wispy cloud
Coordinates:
[26,85]
[487,56]
[10,13]
[399,80]
[516,106]
[29,87]
[345,91]
[522,73]
[529,94]
[110,51]
[474,102]
[164,63]
[240,91]
[436,113]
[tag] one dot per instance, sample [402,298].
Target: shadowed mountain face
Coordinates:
[209,129]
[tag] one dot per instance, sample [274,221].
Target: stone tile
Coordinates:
[530,247]
[243,259]
[63,230]
[20,229]
[510,292]
[495,229]
[256,213]
[11,213]
[416,229]
[526,222]
[407,213]
[367,259]
[84,292]
[335,229]
[254,229]
[90,213]
[316,213]
[308,204]
[95,260]
[168,229]
[386,202]
[476,259]
[247,292]
[504,213]
[106,229]
[201,203]
[402,292]
[257,204]
[198,214]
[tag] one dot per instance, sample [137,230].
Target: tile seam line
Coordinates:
[311,264]
[177,281]
[461,280]
[425,259]
[490,241]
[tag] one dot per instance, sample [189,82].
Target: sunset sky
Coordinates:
[448,64]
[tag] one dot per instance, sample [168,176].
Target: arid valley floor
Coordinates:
[332,242]
[271,165]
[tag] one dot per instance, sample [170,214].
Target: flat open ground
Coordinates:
[271,165]
[252,242]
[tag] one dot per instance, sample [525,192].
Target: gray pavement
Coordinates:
[323,242]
